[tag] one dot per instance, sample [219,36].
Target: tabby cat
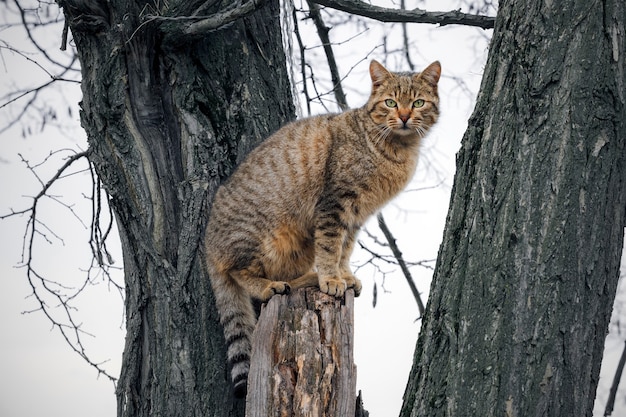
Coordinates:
[288,216]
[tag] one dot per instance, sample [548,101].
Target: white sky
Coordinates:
[42,376]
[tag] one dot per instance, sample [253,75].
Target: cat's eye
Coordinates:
[390,103]
[418,103]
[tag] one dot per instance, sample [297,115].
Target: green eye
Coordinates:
[418,103]
[390,103]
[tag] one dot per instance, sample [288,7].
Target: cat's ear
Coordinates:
[378,73]
[431,73]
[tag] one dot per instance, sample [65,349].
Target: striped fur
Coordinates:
[288,216]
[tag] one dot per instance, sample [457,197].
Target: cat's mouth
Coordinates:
[403,126]
[405,130]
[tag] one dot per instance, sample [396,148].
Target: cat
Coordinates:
[288,216]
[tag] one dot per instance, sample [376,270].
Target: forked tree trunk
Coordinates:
[528,268]
[302,357]
[168,117]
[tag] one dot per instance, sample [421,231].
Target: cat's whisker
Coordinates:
[385,133]
[381,133]
[421,131]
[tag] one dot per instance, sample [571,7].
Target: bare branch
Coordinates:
[41,49]
[189,27]
[398,255]
[224,18]
[376,255]
[303,67]
[54,298]
[388,15]
[53,68]
[405,40]
[61,170]
[322,31]
[616,380]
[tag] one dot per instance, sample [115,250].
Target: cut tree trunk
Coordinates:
[302,357]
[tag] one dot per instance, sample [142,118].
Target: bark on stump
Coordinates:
[302,357]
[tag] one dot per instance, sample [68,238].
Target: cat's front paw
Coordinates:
[333,286]
[353,282]
[275,287]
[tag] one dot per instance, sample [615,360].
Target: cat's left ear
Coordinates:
[378,73]
[431,73]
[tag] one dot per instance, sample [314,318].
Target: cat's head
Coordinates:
[404,104]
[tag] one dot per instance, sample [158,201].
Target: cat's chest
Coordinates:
[380,181]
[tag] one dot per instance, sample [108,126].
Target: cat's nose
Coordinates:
[404,118]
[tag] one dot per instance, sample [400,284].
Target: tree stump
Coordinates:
[302,357]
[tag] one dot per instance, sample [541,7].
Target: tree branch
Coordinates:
[398,255]
[302,48]
[322,32]
[383,14]
[185,28]
[43,289]
[405,40]
[616,379]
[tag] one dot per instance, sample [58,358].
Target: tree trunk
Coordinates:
[302,357]
[167,118]
[527,271]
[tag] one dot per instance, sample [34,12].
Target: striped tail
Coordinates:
[238,320]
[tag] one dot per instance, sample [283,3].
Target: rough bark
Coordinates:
[302,357]
[167,119]
[528,268]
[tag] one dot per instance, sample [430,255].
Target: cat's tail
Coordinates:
[238,320]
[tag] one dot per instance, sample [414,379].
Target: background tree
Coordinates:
[527,272]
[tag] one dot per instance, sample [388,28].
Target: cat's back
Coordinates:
[280,179]
[291,159]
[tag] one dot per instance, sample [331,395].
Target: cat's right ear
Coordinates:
[431,73]
[378,73]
